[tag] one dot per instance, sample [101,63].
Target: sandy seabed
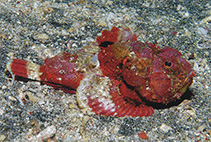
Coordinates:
[34,30]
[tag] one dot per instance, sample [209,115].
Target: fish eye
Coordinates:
[169,64]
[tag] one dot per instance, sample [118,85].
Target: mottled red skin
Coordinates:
[127,103]
[137,70]
[60,67]
[157,73]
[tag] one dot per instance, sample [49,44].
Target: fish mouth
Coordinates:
[184,86]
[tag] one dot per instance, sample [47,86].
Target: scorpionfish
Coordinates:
[115,75]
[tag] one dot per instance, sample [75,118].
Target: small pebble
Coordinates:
[143,135]
[205,20]
[201,128]
[102,22]
[72,106]
[64,32]
[2,137]
[41,37]
[47,133]
[11,98]
[1,111]
[31,96]
[4,87]
[165,128]
[209,131]
[202,31]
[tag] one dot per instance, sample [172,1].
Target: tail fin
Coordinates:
[57,72]
[22,68]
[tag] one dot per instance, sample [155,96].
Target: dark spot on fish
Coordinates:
[105,43]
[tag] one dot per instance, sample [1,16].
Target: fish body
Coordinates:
[115,75]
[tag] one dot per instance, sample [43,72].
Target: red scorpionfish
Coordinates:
[114,75]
